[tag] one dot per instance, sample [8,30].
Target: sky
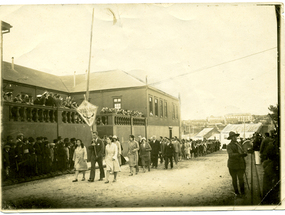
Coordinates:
[220,58]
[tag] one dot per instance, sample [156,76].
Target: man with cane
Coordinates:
[236,163]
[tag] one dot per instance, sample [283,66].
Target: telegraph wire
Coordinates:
[209,67]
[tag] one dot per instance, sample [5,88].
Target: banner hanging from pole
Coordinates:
[88,112]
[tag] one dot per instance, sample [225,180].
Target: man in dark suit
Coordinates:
[236,162]
[169,151]
[155,145]
[264,144]
[97,154]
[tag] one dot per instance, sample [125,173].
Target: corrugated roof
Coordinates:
[248,127]
[204,132]
[29,76]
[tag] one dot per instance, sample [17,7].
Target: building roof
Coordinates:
[238,114]
[98,80]
[105,80]
[239,128]
[24,75]
[101,81]
[204,132]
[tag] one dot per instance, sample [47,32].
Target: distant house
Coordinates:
[235,118]
[212,120]
[245,130]
[206,133]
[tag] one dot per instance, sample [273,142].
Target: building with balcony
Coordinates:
[113,89]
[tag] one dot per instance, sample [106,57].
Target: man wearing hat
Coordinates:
[236,162]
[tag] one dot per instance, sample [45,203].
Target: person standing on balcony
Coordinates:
[236,163]
[97,154]
[155,145]
[133,154]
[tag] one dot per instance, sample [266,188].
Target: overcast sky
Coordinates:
[220,58]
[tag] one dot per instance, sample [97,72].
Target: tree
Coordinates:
[274,115]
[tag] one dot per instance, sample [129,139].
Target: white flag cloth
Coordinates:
[88,112]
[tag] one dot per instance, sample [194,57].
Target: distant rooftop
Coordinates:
[247,127]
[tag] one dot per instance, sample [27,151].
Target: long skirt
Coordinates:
[133,159]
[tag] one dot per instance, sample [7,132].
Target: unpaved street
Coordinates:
[203,181]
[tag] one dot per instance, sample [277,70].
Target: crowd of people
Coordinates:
[28,157]
[45,99]
[267,149]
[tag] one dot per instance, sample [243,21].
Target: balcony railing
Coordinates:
[42,114]
[118,119]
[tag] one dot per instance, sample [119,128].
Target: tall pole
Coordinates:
[88,74]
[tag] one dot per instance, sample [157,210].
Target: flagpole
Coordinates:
[88,74]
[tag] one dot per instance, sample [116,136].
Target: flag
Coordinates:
[88,112]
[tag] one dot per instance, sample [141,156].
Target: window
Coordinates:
[161,108]
[165,109]
[150,106]
[156,107]
[117,103]
[173,111]
[176,112]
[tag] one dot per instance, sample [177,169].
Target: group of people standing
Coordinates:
[109,150]
[268,148]
[24,157]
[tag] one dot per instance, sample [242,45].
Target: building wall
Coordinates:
[51,130]
[132,98]
[161,131]
[163,120]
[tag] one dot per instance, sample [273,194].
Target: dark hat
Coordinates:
[231,134]
[9,137]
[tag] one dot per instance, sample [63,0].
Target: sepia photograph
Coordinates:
[142,107]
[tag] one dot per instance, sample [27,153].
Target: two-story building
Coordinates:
[112,89]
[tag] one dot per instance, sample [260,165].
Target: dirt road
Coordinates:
[203,181]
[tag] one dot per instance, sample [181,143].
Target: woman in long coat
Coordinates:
[111,159]
[187,150]
[133,153]
[145,149]
[116,141]
[80,159]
